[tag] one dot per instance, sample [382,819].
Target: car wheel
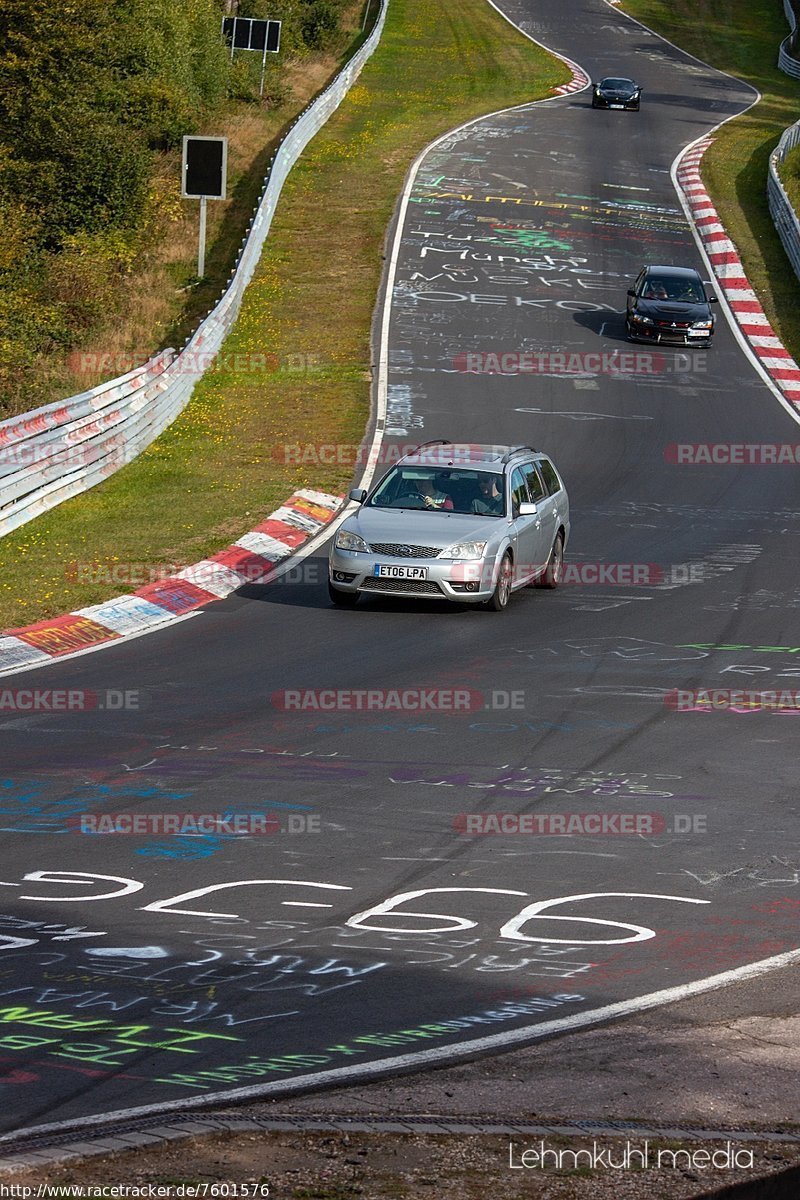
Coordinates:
[502,591]
[629,330]
[551,575]
[342,599]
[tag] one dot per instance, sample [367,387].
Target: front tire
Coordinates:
[552,574]
[502,591]
[342,599]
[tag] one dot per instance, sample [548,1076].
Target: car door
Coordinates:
[529,553]
[555,507]
[548,509]
[637,289]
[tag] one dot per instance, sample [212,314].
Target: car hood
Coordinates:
[618,93]
[674,310]
[415,527]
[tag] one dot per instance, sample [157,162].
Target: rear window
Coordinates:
[551,480]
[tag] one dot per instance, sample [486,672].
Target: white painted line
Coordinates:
[423,1059]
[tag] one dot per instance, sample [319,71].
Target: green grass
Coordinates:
[213,474]
[742,37]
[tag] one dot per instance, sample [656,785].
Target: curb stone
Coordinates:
[774,358]
[251,559]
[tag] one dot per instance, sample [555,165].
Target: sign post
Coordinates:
[201,248]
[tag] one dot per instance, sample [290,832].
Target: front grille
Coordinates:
[416,587]
[400,550]
[673,324]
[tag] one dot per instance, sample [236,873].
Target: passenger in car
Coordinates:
[490,500]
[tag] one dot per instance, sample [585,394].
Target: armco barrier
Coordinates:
[783,214]
[58,451]
[786,61]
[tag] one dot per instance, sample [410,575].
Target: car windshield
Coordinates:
[621,85]
[467,492]
[665,287]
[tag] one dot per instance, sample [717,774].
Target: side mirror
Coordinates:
[713,299]
[357,494]
[528,510]
[631,292]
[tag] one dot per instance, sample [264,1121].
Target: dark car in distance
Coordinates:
[614,92]
[670,304]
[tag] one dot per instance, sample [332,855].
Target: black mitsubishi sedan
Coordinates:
[616,93]
[670,304]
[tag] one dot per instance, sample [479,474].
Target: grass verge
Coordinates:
[742,37]
[214,473]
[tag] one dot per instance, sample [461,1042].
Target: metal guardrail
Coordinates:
[56,452]
[784,217]
[786,60]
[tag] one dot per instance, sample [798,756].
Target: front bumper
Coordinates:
[660,334]
[462,582]
[628,105]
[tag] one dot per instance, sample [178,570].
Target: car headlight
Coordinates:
[642,319]
[350,541]
[702,324]
[464,550]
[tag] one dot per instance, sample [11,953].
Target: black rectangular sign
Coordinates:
[246,33]
[204,167]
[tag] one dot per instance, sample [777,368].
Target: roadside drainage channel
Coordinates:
[48,1150]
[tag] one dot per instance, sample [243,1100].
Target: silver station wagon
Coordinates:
[454,522]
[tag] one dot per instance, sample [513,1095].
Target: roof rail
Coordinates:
[516,450]
[435,442]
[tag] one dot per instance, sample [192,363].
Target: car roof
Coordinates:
[463,454]
[678,272]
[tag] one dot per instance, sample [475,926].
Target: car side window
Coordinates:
[519,491]
[638,287]
[535,486]
[551,480]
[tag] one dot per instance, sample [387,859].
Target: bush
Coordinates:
[87,96]
[319,24]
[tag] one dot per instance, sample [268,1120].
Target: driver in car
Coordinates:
[430,497]
[656,291]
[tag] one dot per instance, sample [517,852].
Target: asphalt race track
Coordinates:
[364,928]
